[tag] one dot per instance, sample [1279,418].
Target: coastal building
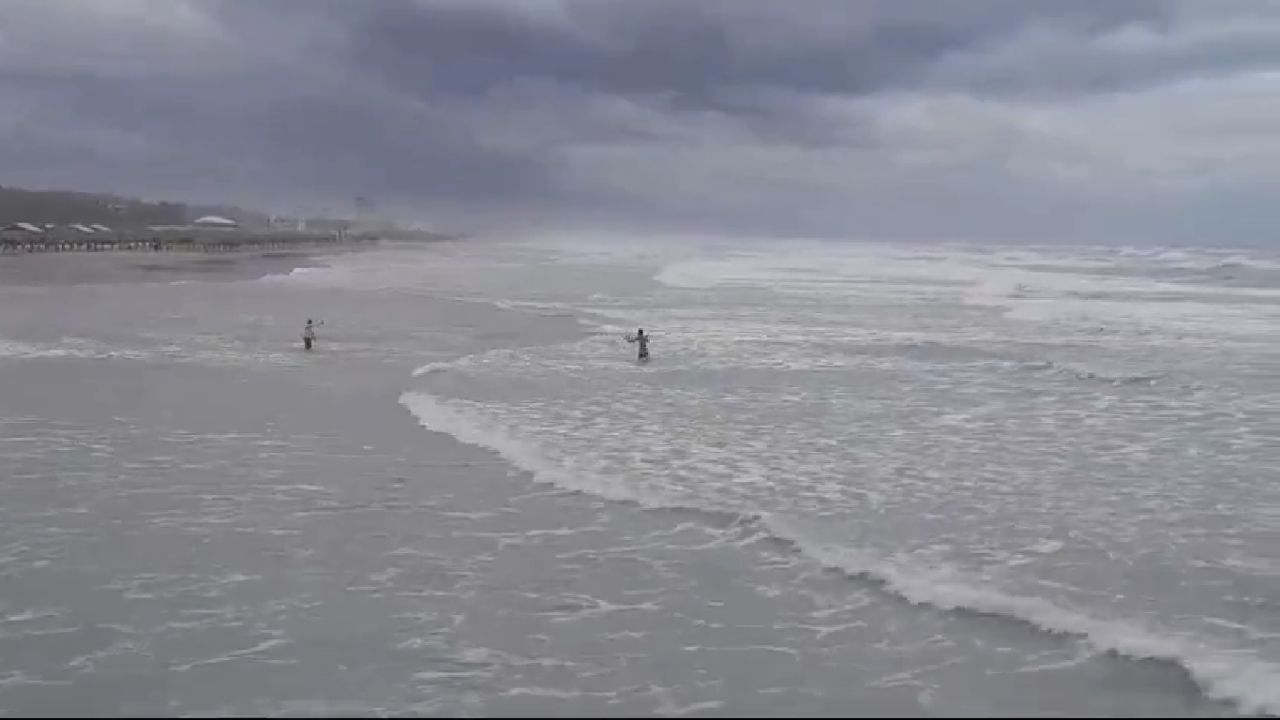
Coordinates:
[21,235]
[216,222]
[23,227]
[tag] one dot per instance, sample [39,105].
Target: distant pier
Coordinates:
[195,241]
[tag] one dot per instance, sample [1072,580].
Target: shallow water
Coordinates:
[853,480]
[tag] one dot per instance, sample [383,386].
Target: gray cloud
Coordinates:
[1106,119]
[698,50]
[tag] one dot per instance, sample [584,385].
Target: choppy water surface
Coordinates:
[853,479]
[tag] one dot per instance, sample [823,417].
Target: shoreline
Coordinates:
[172,240]
[110,268]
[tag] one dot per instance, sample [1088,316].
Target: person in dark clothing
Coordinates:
[643,341]
[308,335]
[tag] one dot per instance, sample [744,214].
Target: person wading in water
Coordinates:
[643,340]
[309,334]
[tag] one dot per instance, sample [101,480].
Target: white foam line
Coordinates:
[246,653]
[433,367]
[1250,683]
[434,414]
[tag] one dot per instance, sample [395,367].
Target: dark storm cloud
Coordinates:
[812,117]
[697,50]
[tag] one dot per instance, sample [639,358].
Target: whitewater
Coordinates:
[1083,441]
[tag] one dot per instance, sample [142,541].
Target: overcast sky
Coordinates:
[1110,120]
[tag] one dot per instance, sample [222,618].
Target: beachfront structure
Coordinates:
[20,236]
[279,222]
[23,227]
[207,236]
[216,222]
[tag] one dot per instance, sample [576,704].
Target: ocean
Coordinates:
[854,479]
